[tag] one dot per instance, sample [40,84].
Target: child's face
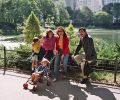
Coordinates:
[45,63]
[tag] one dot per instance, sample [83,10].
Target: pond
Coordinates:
[110,36]
[9,44]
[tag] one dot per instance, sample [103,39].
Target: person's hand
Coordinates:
[83,60]
[55,52]
[73,56]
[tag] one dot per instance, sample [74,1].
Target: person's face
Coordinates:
[44,63]
[50,34]
[82,33]
[60,32]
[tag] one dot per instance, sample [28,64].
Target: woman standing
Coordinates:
[61,50]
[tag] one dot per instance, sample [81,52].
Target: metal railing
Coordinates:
[5,60]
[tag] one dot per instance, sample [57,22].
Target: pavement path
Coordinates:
[11,89]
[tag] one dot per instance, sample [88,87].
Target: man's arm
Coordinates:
[90,48]
[78,48]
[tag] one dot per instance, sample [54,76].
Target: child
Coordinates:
[41,71]
[35,50]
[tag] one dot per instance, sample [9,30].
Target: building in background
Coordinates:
[105,2]
[94,5]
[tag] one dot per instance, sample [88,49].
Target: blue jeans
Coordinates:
[57,63]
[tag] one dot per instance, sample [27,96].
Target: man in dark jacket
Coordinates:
[90,55]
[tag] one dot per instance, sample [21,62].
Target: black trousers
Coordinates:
[46,54]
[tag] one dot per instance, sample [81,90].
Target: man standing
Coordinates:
[90,55]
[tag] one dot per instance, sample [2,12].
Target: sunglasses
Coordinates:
[61,31]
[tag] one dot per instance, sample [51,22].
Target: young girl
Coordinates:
[35,50]
[41,71]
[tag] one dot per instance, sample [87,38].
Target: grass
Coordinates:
[102,76]
[98,77]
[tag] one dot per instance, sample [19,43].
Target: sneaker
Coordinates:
[84,81]
[54,80]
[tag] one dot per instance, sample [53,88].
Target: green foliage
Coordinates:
[73,37]
[102,76]
[1,32]
[14,11]
[114,10]
[105,50]
[20,58]
[71,12]
[102,18]
[117,50]
[32,28]
[63,15]
[17,11]
[88,15]
[24,48]
[83,16]
[49,23]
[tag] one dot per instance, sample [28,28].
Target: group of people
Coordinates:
[56,46]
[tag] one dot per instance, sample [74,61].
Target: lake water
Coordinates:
[110,36]
[9,44]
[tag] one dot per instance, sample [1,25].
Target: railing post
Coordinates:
[4,60]
[115,71]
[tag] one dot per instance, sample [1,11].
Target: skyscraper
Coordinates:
[94,5]
[105,2]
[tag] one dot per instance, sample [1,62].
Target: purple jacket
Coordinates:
[49,43]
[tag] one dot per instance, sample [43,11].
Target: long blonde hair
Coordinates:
[61,28]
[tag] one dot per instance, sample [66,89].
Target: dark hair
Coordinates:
[35,39]
[40,36]
[60,27]
[82,28]
[48,32]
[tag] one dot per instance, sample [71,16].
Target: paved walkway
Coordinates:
[11,89]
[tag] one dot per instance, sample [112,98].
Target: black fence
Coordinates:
[15,59]
[22,60]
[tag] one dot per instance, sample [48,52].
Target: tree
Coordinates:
[63,14]
[102,19]
[32,28]
[114,10]
[83,16]
[46,8]
[88,15]
[73,37]
[16,11]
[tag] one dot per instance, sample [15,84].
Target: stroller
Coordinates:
[36,83]
[42,74]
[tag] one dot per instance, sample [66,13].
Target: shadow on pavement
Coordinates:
[100,91]
[65,90]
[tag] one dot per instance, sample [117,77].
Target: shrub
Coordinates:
[74,40]
[32,28]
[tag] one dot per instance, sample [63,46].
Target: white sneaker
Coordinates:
[54,80]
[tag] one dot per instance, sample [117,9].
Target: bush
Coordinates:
[102,76]
[74,40]
[105,50]
[20,58]
[32,28]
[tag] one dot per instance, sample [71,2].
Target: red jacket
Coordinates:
[66,49]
